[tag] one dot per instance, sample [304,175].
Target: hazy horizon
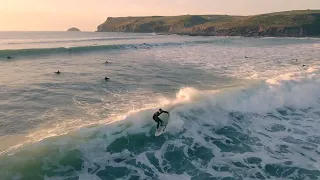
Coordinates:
[57,15]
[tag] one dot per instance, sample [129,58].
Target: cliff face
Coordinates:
[249,32]
[283,24]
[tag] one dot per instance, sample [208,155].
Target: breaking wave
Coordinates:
[266,130]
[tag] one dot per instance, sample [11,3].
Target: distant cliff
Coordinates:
[73,29]
[283,24]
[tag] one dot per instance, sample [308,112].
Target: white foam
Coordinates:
[87,176]
[184,176]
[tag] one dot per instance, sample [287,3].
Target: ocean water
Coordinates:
[241,108]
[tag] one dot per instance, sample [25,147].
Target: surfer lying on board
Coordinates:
[156,117]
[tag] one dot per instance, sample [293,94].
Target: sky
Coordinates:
[59,15]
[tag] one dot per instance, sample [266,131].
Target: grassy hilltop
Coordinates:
[290,23]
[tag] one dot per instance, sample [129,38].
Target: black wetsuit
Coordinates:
[156,117]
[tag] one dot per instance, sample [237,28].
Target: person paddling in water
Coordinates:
[156,117]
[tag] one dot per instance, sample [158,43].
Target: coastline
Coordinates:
[301,23]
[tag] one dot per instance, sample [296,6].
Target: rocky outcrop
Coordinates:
[283,24]
[73,29]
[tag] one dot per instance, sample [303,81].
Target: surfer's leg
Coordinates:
[160,121]
[155,118]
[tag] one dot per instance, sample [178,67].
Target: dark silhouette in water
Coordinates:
[148,47]
[106,78]
[58,72]
[304,65]
[106,62]
[9,57]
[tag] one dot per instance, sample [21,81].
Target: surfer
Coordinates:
[156,117]
[58,72]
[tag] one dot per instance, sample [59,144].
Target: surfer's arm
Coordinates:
[166,112]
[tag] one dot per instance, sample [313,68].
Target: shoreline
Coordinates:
[210,35]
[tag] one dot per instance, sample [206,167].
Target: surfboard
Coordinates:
[165,118]
[160,130]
